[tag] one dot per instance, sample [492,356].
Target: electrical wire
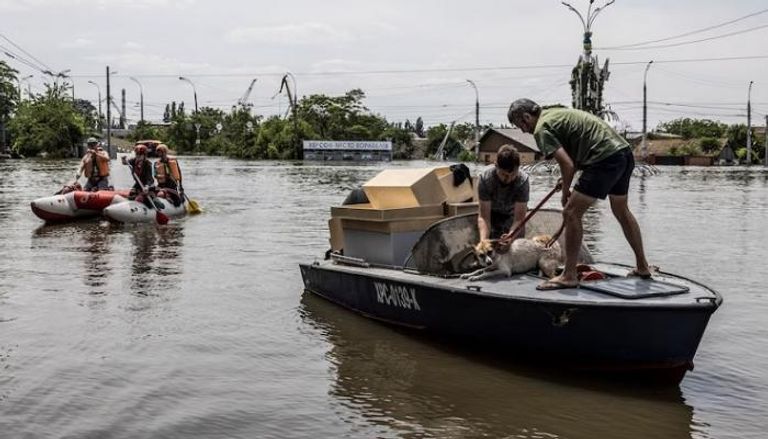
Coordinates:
[430,70]
[685,34]
[684,43]
[45,67]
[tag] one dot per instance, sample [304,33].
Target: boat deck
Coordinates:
[664,290]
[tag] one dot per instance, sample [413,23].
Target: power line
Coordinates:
[684,43]
[45,67]
[687,33]
[430,70]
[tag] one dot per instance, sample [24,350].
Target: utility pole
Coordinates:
[141,96]
[477,119]
[112,154]
[749,124]
[644,147]
[765,163]
[122,114]
[98,89]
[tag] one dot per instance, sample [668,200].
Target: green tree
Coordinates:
[89,113]
[737,138]
[693,128]
[710,145]
[49,123]
[419,127]
[145,130]
[435,136]
[9,99]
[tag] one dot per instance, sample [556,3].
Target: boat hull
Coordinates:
[134,212]
[656,340]
[75,205]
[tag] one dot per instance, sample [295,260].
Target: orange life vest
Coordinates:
[99,168]
[163,169]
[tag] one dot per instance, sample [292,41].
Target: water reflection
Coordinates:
[641,189]
[391,379]
[91,239]
[155,265]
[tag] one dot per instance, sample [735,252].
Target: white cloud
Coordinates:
[301,34]
[79,43]
[139,62]
[132,45]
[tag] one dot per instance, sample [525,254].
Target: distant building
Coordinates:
[496,137]
[327,150]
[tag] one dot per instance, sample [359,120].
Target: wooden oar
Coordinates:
[160,217]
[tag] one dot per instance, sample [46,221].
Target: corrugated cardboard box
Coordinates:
[404,188]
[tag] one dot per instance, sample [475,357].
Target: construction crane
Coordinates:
[243,101]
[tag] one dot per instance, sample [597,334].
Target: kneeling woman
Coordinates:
[168,175]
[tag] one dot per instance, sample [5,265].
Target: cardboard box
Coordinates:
[398,188]
[367,212]
[337,234]
[454,209]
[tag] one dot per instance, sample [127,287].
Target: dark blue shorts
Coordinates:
[607,177]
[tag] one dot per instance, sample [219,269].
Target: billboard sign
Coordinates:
[330,145]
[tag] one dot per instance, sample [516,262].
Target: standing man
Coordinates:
[95,166]
[503,191]
[581,141]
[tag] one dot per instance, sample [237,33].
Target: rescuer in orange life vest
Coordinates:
[142,168]
[95,166]
[168,175]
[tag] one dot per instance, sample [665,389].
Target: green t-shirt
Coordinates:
[586,138]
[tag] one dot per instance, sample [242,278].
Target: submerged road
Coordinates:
[200,328]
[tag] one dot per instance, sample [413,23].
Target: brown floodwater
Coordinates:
[201,328]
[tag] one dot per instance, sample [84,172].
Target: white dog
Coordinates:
[524,255]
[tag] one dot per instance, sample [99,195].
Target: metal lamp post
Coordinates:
[644,147]
[477,119]
[141,95]
[749,124]
[197,125]
[98,89]
[194,90]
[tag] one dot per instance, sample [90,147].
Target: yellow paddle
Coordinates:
[192,207]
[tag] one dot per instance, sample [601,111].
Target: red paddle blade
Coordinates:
[162,218]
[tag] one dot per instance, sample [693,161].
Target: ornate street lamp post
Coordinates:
[587,79]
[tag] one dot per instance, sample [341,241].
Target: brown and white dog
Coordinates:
[524,255]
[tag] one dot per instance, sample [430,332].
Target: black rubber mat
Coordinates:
[634,287]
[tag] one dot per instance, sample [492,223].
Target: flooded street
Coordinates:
[201,329]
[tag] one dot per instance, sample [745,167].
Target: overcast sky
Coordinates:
[406,55]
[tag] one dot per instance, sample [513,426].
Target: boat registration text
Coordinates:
[396,295]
